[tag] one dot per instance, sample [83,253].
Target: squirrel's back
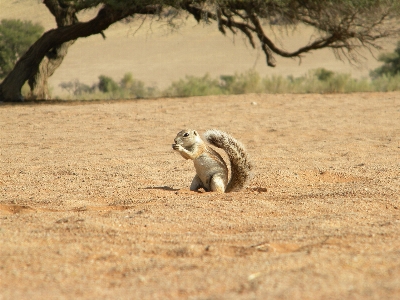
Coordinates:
[239,160]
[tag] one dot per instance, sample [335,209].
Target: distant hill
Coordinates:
[157,56]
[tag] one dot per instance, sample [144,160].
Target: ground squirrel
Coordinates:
[211,169]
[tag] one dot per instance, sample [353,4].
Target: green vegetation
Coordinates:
[391,64]
[16,37]
[194,86]
[344,26]
[316,81]
[383,79]
[107,88]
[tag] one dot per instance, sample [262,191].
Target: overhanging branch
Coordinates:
[344,32]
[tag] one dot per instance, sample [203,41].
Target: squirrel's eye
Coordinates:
[186,134]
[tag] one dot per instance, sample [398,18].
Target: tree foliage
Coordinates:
[342,25]
[391,64]
[16,37]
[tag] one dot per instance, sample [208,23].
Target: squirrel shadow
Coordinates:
[165,188]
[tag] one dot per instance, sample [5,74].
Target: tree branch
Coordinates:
[30,61]
[343,29]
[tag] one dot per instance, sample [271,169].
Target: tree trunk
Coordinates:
[10,88]
[29,63]
[39,81]
[30,66]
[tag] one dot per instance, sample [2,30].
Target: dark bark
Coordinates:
[339,28]
[38,81]
[342,29]
[28,65]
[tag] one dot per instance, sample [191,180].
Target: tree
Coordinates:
[391,64]
[345,26]
[64,15]
[16,37]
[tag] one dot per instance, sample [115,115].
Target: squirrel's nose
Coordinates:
[176,142]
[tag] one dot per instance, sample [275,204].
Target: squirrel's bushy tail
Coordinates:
[238,157]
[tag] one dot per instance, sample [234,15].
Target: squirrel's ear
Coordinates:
[194,132]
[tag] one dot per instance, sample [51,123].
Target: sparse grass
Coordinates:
[194,86]
[315,81]
[107,88]
[387,83]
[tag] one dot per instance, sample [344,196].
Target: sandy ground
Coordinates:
[95,204]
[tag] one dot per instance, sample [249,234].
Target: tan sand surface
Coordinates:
[94,203]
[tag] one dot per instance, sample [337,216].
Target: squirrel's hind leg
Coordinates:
[196,184]
[217,184]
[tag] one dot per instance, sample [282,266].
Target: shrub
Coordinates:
[323,74]
[133,87]
[248,82]
[77,88]
[107,84]
[278,84]
[194,86]
[386,83]
[315,81]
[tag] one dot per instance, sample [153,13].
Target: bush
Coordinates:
[77,88]
[107,88]
[386,83]
[324,81]
[315,81]
[248,82]
[133,87]
[323,74]
[279,84]
[107,85]
[194,86]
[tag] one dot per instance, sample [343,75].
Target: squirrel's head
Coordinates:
[187,138]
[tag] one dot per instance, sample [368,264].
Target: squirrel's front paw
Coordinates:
[177,147]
